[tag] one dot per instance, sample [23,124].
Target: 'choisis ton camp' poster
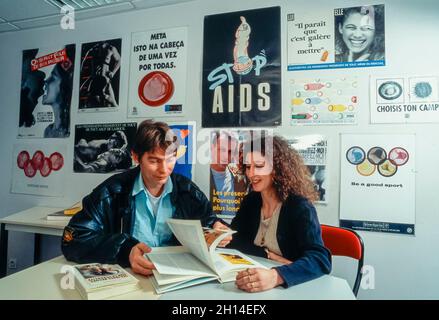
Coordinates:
[241,69]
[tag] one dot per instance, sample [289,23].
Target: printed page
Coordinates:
[229,261]
[190,234]
[177,261]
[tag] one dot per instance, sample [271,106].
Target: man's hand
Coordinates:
[258,279]
[139,264]
[219,226]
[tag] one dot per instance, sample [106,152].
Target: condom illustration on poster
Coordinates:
[46,92]
[38,169]
[242,69]
[404,99]
[351,37]
[158,70]
[377,182]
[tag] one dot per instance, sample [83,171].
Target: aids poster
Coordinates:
[404,99]
[377,183]
[38,169]
[352,37]
[322,101]
[103,147]
[46,92]
[185,134]
[158,70]
[242,69]
[228,182]
[313,148]
[100,75]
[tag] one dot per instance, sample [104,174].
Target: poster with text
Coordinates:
[404,99]
[242,69]
[228,183]
[324,101]
[377,183]
[185,153]
[104,147]
[313,149]
[46,92]
[344,38]
[100,75]
[39,169]
[158,71]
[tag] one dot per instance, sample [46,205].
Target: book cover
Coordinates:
[101,281]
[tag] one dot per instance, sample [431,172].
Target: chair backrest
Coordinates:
[345,242]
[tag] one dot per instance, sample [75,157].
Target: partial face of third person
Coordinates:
[52,88]
[156,166]
[358,31]
[259,171]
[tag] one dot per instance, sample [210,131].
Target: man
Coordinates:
[126,214]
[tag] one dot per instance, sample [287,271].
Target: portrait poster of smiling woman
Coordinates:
[351,37]
[46,92]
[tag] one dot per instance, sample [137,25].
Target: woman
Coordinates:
[359,34]
[277,220]
[58,94]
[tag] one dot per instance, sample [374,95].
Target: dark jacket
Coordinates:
[101,232]
[298,235]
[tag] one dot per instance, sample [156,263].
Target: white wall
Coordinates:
[405,266]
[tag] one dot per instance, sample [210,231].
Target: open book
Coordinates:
[198,260]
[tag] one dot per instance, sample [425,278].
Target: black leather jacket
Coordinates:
[101,232]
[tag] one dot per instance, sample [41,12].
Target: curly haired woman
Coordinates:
[277,219]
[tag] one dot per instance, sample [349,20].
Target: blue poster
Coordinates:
[185,136]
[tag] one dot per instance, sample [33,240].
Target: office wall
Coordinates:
[405,266]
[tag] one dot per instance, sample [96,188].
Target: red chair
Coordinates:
[347,243]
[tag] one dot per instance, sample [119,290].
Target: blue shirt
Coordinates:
[149,227]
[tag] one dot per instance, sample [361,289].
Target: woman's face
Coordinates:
[52,89]
[258,171]
[358,32]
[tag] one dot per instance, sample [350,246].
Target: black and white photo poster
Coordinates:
[313,149]
[377,182]
[46,92]
[100,75]
[242,69]
[103,148]
[349,37]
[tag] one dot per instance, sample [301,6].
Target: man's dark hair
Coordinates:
[151,135]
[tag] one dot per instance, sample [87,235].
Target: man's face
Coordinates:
[156,167]
[224,151]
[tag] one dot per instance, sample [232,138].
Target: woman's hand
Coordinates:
[258,279]
[278,258]
[218,226]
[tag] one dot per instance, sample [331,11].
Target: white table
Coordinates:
[43,281]
[32,220]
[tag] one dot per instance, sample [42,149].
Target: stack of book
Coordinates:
[95,281]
